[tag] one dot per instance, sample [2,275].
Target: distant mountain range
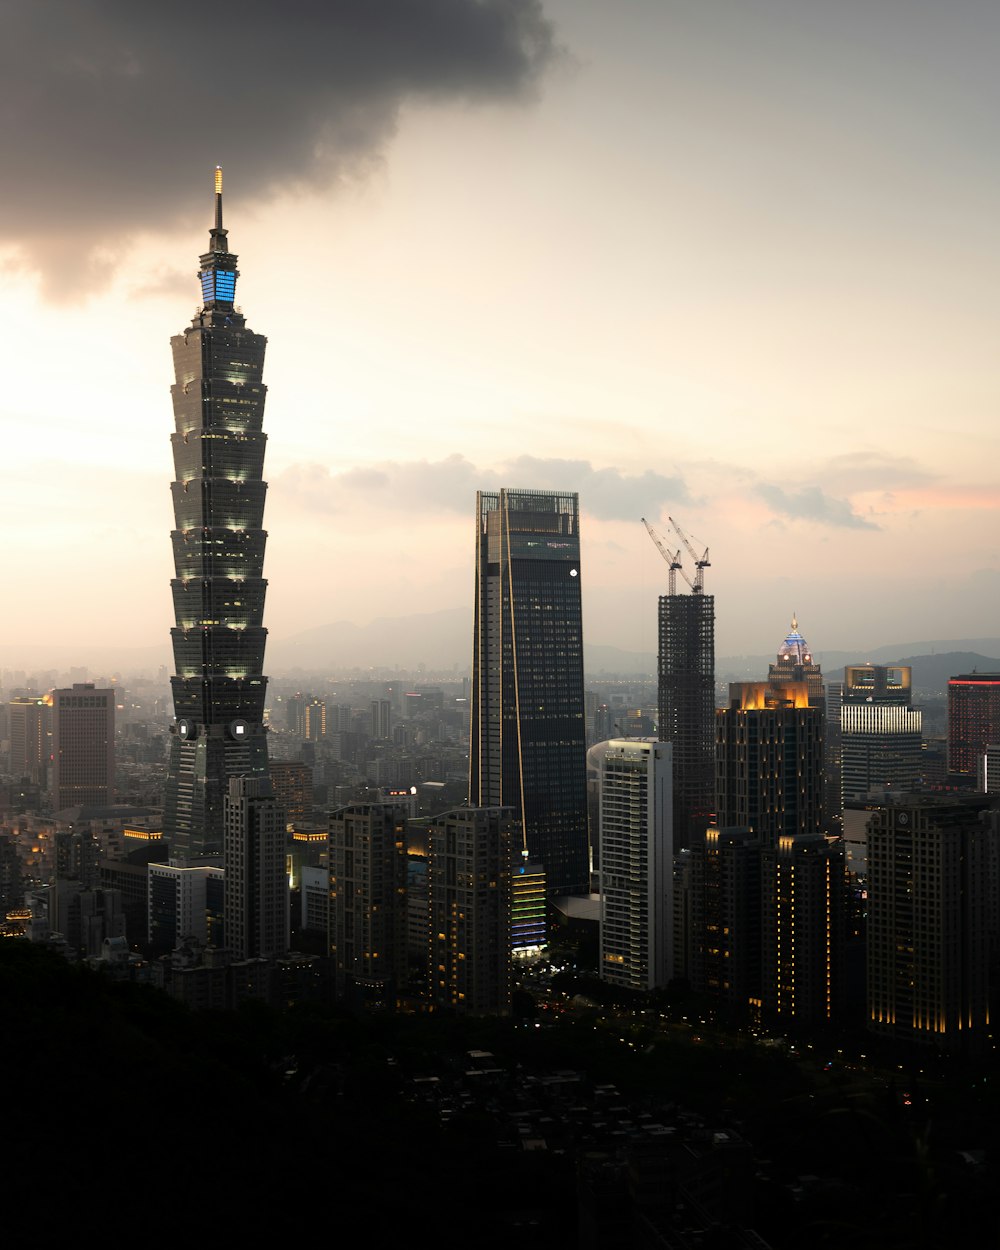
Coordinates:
[441,642]
[932,662]
[436,639]
[931,672]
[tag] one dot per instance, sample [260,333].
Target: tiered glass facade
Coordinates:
[218,543]
[528,745]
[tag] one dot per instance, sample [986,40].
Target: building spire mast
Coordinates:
[218,272]
[218,232]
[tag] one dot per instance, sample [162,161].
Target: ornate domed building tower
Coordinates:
[795,663]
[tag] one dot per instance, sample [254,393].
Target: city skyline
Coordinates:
[732,265]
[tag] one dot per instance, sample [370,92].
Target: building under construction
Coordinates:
[686,671]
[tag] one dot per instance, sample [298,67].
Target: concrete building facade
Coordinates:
[83,747]
[932,897]
[256,910]
[367,912]
[636,838]
[469,909]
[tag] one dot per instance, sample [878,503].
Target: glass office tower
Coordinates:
[528,742]
[881,740]
[218,544]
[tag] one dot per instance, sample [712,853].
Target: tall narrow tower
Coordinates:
[528,741]
[636,864]
[687,706]
[469,858]
[770,781]
[255,909]
[30,728]
[218,544]
[367,917]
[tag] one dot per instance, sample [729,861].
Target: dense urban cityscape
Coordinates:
[791,858]
[536,941]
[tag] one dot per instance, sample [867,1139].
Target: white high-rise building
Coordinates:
[30,729]
[880,731]
[636,842]
[989,770]
[184,900]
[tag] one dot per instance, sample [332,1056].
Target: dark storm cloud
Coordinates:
[811,504]
[449,485]
[115,111]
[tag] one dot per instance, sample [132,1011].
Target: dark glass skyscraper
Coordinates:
[528,746]
[687,706]
[770,781]
[218,543]
[769,760]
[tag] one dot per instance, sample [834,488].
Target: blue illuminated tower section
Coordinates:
[218,543]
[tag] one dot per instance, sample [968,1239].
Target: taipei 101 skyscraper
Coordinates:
[218,542]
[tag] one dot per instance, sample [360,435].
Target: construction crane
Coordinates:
[698,585]
[673,559]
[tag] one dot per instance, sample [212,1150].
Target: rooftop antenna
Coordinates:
[218,233]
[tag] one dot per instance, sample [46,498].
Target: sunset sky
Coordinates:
[736,262]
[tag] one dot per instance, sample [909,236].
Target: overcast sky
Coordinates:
[735,262]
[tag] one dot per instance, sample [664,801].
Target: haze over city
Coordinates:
[733,262]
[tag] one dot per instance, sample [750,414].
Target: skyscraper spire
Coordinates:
[218,542]
[218,197]
[218,272]
[794,662]
[794,648]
